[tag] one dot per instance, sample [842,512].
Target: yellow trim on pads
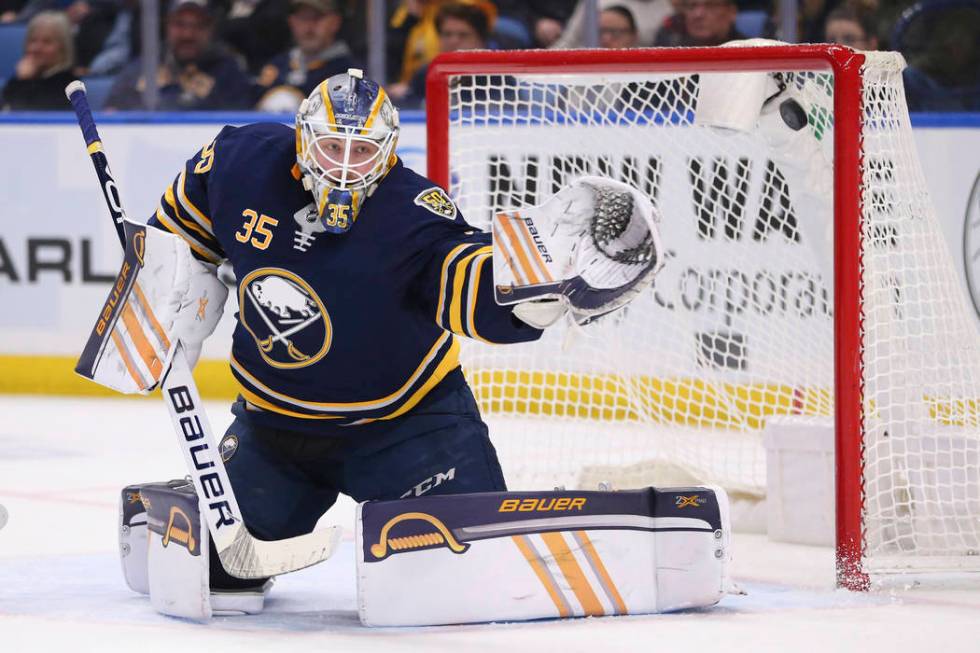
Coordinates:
[95,147]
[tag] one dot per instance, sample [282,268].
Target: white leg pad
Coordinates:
[132,539]
[164,545]
[515,556]
[177,552]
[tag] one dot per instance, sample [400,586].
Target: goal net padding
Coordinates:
[754,316]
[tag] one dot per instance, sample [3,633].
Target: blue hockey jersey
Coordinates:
[349,328]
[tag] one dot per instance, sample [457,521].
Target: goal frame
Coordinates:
[845,65]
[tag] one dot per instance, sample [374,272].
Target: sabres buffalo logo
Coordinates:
[287,319]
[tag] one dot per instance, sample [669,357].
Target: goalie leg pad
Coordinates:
[166,550]
[515,556]
[177,551]
[132,539]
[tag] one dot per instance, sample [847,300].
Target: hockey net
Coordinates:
[741,326]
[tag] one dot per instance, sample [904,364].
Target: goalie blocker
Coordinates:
[514,556]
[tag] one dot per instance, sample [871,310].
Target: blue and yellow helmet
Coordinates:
[346,132]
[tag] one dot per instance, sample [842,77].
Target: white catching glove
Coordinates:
[589,249]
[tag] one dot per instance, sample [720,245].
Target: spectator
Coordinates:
[617,28]
[256,29]
[847,26]
[195,73]
[460,26]
[124,42]
[939,42]
[41,75]
[671,31]
[413,37]
[706,23]
[317,55]
[117,49]
[543,20]
[9,10]
[647,14]
[91,21]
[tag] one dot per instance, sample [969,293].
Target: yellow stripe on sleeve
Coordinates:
[475,271]
[171,201]
[444,278]
[204,253]
[459,277]
[188,205]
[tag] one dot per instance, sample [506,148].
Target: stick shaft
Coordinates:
[79,102]
[241,554]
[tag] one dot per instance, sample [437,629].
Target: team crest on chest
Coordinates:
[287,320]
[436,200]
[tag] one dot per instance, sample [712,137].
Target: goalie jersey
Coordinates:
[340,329]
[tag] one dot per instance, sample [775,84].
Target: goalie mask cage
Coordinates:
[806,278]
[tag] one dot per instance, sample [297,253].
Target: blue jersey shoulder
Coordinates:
[268,140]
[419,196]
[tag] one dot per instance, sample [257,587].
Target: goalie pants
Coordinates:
[285,480]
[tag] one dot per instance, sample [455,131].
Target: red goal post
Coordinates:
[850,195]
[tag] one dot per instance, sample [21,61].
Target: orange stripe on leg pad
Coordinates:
[573,573]
[542,573]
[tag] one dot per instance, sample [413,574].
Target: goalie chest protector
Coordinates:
[334,329]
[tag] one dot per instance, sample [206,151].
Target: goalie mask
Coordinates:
[346,132]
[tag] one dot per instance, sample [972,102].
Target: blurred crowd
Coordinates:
[269,54]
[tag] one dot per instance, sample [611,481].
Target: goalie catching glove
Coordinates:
[588,250]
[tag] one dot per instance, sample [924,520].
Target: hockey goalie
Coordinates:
[355,276]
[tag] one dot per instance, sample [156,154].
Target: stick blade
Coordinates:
[248,557]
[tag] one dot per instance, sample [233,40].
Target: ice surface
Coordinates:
[63,462]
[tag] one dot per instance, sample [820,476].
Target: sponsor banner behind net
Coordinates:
[59,253]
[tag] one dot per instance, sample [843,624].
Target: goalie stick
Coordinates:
[241,554]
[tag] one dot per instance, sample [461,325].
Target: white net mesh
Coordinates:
[739,325]
[921,358]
